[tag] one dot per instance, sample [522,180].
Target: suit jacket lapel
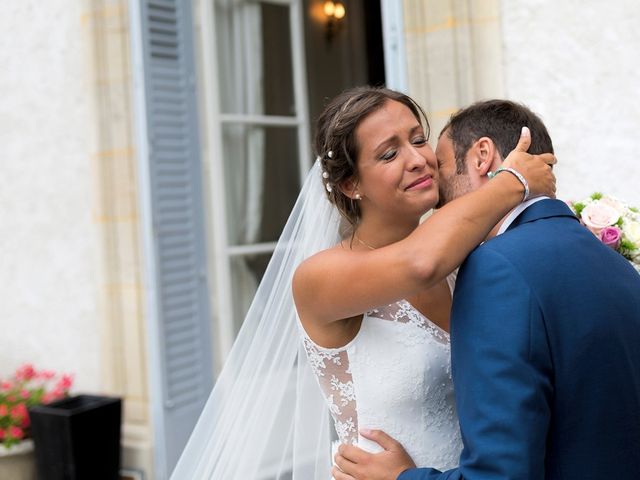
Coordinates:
[543,209]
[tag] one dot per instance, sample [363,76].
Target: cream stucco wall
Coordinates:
[48,234]
[575,63]
[72,297]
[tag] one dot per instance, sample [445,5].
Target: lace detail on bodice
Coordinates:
[403,312]
[395,375]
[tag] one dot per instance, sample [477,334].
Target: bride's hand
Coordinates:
[536,169]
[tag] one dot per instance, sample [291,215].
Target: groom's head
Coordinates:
[476,140]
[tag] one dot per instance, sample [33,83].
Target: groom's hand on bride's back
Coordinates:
[352,462]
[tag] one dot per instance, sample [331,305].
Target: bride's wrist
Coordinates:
[517,175]
[510,185]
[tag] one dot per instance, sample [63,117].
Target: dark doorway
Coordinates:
[375,49]
[352,55]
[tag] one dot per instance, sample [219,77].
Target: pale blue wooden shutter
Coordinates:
[180,344]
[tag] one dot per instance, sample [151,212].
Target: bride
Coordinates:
[372,289]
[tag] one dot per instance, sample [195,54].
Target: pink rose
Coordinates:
[597,216]
[611,237]
[4,411]
[612,202]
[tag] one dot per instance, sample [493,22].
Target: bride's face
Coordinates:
[396,166]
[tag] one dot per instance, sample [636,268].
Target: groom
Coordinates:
[545,332]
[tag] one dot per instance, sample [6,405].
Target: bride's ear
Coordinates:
[486,157]
[349,187]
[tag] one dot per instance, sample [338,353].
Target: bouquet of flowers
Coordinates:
[26,388]
[616,224]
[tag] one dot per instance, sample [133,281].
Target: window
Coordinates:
[256,116]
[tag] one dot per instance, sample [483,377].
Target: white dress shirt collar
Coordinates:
[515,212]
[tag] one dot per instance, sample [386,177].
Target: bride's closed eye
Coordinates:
[388,155]
[419,140]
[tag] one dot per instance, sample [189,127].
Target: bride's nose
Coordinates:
[416,160]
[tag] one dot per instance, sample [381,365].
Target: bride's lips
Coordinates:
[422,182]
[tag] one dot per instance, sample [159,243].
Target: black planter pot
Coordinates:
[77,438]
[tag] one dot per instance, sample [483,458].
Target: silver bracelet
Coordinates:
[518,175]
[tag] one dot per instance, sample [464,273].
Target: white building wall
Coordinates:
[576,64]
[48,232]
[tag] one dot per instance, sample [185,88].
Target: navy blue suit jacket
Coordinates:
[546,355]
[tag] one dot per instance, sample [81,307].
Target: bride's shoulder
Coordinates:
[319,264]
[316,269]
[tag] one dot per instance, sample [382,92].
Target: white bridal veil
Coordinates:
[266,418]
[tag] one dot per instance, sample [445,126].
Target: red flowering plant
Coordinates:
[25,388]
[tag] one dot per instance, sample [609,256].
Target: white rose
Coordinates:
[598,215]
[631,216]
[631,230]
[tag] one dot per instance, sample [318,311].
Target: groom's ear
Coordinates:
[485,156]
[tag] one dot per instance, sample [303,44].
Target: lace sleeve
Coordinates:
[331,367]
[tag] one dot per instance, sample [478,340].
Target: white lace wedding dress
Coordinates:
[395,375]
[266,416]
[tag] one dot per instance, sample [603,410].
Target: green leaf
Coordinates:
[596,196]
[634,209]
[9,442]
[578,207]
[627,247]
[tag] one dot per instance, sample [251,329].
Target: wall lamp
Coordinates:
[335,12]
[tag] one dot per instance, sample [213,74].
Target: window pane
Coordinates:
[254,52]
[246,273]
[262,181]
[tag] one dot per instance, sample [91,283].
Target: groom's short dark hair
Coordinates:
[500,120]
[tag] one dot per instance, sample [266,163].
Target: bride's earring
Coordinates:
[358,196]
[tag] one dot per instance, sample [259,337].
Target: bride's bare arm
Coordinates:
[338,284]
